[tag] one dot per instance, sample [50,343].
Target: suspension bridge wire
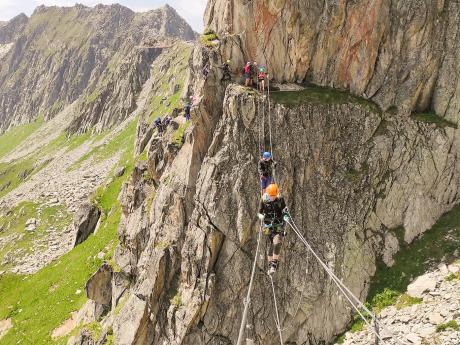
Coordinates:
[247,300]
[277,317]
[345,291]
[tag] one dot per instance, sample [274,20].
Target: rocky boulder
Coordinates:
[421,285]
[83,338]
[85,222]
[99,286]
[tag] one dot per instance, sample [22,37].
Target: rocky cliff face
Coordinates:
[96,54]
[352,169]
[398,53]
[350,173]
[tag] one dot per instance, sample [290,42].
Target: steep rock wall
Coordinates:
[349,173]
[398,53]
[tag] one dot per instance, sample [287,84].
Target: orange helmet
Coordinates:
[272,190]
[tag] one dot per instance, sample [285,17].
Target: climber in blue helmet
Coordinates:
[158,124]
[266,166]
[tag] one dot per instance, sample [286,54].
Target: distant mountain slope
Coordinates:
[59,54]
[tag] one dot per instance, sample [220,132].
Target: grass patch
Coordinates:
[431,117]
[320,95]
[179,134]
[452,324]
[340,339]
[14,173]
[176,301]
[406,301]
[452,276]
[208,38]
[93,96]
[14,224]
[384,299]
[16,135]
[95,329]
[121,142]
[439,244]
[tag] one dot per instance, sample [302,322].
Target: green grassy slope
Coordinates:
[16,135]
[39,303]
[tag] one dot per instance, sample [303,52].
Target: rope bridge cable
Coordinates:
[277,316]
[345,291]
[247,301]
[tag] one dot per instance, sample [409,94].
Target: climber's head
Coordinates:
[272,190]
[267,155]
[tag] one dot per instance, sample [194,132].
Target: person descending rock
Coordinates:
[166,122]
[247,74]
[205,71]
[266,166]
[274,214]
[226,72]
[157,123]
[261,78]
[187,109]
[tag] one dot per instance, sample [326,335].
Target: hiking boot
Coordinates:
[272,266]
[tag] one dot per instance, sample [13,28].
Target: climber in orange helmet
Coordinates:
[274,214]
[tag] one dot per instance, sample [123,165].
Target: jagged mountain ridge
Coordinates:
[60,54]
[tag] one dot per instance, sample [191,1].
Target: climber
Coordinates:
[261,79]
[266,166]
[226,72]
[166,121]
[157,123]
[247,74]
[274,214]
[205,71]
[254,73]
[187,109]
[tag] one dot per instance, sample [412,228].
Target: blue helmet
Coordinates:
[267,155]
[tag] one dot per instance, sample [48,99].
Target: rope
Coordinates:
[277,317]
[247,301]
[345,291]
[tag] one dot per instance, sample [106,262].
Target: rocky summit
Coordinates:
[130,186]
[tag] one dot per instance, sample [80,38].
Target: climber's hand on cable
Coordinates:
[260,216]
[286,218]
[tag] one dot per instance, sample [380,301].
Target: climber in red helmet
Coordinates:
[274,214]
[247,74]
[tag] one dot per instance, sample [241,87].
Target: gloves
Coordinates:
[286,218]
[260,216]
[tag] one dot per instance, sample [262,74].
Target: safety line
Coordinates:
[247,301]
[345,291]
[277,316]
